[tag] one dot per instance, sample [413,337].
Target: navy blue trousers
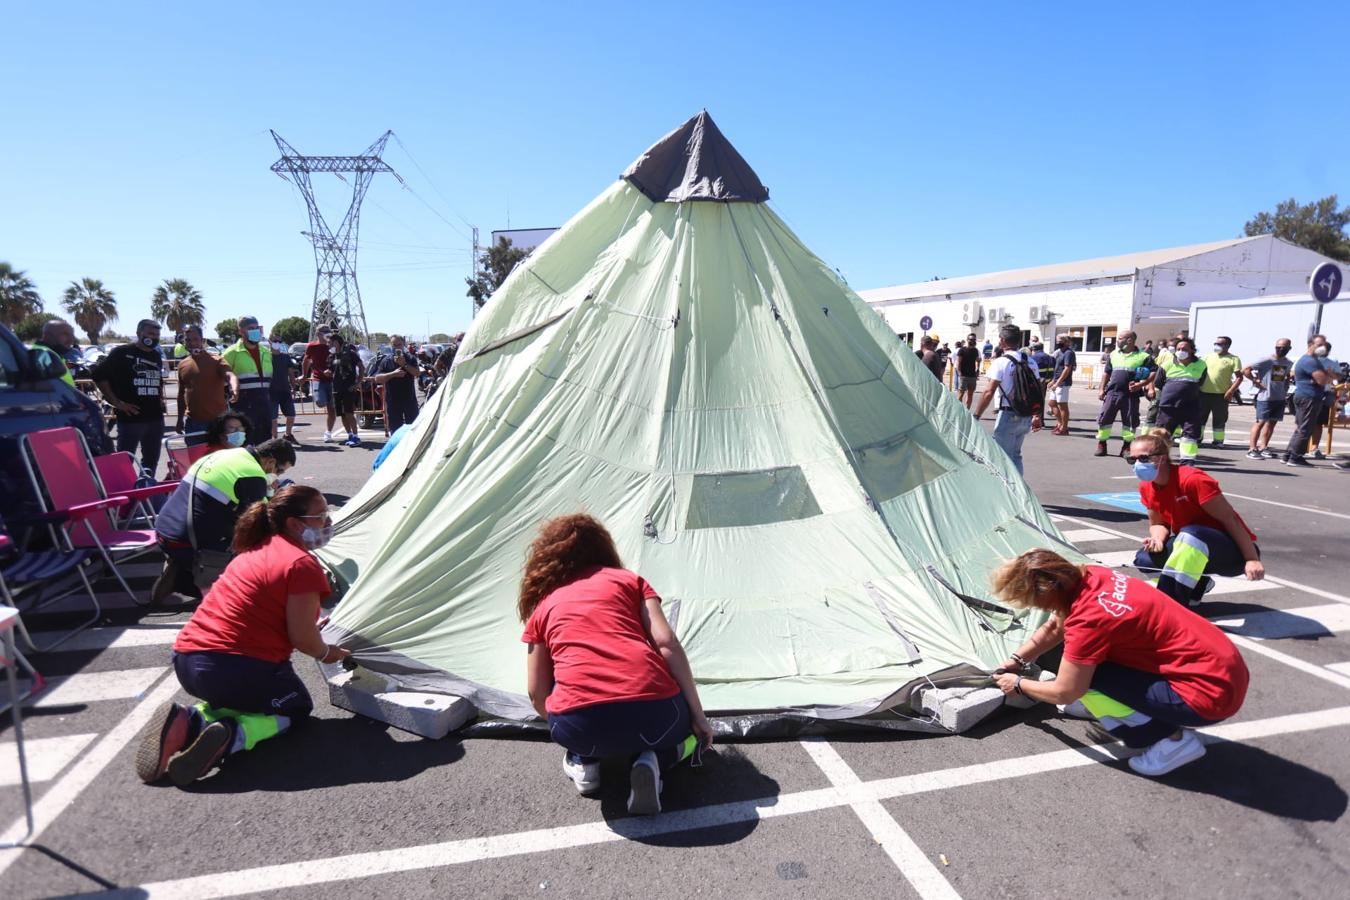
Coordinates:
[1224,558]
[243,683]
[624,729]
[1151,695]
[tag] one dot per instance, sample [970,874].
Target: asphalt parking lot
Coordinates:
[1024,805]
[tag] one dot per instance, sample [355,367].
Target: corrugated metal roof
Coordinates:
[1102,267]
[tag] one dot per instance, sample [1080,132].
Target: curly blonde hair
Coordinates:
[565,547]
[1038,578]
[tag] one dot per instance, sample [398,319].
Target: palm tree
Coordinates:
[18,295]
[91,305]
[177,304]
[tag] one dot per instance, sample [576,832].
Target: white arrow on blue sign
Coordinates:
[926,322]
[1326,282]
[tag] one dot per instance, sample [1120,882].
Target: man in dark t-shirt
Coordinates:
[397,371]
[929,356]
[967,370]
[131,379]
[347,370]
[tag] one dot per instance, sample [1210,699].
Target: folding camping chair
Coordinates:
[117,476]
[62,473]
[181,451]
[35,569]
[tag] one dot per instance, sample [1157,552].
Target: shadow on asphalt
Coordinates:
[1119,516]
[726,776]
[1251,777]
[305,759]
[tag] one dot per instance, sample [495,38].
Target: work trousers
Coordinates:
[626,729]
[398,413]
[256,405]
[1138,708]
[261,698]
[1213,406]
[1187,557]
[1186,416]
[1122,403]
[1307,413]
[148,437]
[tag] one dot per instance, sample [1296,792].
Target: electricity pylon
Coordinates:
[336,292]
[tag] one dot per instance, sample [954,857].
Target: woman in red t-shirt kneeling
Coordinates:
[235,651]
[604,666]
[1148,669]
[1192,528]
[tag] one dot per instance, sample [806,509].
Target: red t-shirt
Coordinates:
[1179,501]
[1131,623]
[244,613]
[592,629]
[316,352]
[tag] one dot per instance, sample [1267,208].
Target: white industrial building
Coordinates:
[1093,299]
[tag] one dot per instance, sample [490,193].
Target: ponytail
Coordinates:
[1160,438]
[262,519]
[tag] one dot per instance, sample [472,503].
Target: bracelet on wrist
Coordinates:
[1019,660]
[1017,686]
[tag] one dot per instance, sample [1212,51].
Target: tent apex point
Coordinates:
[695,162]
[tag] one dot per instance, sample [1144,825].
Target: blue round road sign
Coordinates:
[926,322]
[1326,282]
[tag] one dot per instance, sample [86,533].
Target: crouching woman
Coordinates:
[603,665]
[1148,669]
[234,654]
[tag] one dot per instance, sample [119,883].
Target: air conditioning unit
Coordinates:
[970,313]
[996,315]
[1036,315]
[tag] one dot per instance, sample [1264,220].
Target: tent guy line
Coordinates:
[330,870]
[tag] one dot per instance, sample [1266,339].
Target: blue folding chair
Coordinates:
[33,570]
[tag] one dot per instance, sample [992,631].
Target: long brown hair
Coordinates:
[265,518]
[565,546]
[1039,578]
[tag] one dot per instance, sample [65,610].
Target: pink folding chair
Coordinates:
[63,477]
[181,451]
[117,474]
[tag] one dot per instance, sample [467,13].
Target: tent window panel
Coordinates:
[896,468]
[732,499]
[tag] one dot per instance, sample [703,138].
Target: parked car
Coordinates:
[297,350]
[33,396]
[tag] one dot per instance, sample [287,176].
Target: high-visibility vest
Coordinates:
[1128,362]
[1190,372]
[241,363]
[216,473]
[67,377]
[179,351]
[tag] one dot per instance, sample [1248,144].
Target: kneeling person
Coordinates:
[234,653]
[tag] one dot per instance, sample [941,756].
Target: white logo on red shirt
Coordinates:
[1114,602]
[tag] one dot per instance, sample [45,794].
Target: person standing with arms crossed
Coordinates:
[203,383]
[1311,378]
[1066,361]
[1271,376]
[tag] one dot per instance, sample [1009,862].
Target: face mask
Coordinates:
[1218,348]
[1145,471]
[236,438]
[1183,355]
[147,342]
[254,334]
[314,538]
[195,351]
[1321,351]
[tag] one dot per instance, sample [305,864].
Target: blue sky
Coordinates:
[899,142]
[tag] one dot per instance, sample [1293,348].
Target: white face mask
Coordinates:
[314,538]
[1321,350]
[1183,354]
[1218,348]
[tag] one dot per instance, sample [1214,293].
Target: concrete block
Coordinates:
[374,696]
[959,708]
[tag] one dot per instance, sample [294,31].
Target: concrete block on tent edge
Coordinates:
[369,694]
[960,708]
[1022,702]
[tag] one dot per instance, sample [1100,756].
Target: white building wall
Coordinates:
[1267,267]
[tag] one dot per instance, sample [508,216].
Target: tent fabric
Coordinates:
[809,501]
[695,162]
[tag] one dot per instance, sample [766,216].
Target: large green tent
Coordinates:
[819,514]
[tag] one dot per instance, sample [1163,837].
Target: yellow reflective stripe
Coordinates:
[1101,706]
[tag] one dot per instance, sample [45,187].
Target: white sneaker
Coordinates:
[328,437]
[1167,754]
[1075,710]
[586,776]
[645,780]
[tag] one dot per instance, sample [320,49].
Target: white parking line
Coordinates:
[912,862]
[304,873]
[91,687]
[1303,509]
[46,757]
[1307,621]
[1326,673]
[1086,536]
[1342,668]
[66,790]
[115,638]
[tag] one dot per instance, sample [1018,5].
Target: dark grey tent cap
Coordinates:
[695,162]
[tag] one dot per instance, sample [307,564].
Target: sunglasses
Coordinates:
[1144,458]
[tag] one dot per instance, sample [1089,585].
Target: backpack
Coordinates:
[1028,394]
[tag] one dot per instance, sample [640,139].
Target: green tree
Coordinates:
[498,262]
[377,338]
[177,304]
[112,337]
[91,305]
[291,329]
[227,330]
[440,337]
[1318,226]
[30,328]
[18,295]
